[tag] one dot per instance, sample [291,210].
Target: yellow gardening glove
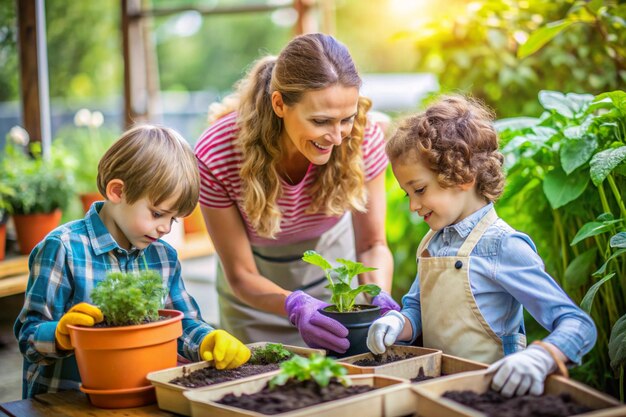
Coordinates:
[82,314]
[225,350]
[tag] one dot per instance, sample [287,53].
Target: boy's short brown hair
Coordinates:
[455,138]
[154,162]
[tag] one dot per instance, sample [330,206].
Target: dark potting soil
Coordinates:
[104,323]
[495,404]
[421,376]
[209,375]
[292,396]
[378,360]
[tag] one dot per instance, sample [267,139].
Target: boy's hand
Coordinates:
[522,372]
[225,350]
[384,332]
[82,314]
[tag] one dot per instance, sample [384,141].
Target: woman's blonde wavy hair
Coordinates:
[309,62]
[455,139]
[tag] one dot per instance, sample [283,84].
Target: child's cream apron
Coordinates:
[451,320]
[284,266]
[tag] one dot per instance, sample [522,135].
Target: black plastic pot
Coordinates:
[358,323]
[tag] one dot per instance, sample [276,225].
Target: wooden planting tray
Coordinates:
[403,401]
[369,404]
[430,402]
[429,359]
[170,396]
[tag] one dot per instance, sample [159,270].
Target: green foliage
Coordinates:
[270,353]
[404,232]
[565,187]
[343,295]
[318,368]
[505,52]
[87,142]
[32,183]
[130,298]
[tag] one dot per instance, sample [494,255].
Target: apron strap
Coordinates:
[477,232]
[424,243]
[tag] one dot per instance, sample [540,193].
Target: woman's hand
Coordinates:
[317,330]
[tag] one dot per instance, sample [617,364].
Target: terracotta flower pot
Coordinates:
[194,223]
[32,228]
[358,323]
[3,239]
[87,199]
[113,361]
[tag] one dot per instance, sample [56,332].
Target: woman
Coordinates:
[290,164]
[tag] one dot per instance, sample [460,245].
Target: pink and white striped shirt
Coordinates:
[219,162]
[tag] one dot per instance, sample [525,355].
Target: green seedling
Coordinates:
[318,368]
[270,353]
[343,295]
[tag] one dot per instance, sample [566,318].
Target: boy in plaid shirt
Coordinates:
[149,178]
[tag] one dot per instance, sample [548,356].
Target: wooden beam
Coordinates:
[34,71]
[141,81]
[207,10]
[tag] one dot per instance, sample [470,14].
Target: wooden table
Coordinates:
[73,404]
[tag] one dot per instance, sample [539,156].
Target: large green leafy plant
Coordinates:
[505,52]
[317,368]
[566,176]
[343,295]
[130,298]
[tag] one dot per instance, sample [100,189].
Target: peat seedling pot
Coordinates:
[357,322]
[431,403]
[113,361]
[368,404]
[170,395]
[398,361]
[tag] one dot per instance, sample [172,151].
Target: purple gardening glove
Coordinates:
[385,302]
[317,330]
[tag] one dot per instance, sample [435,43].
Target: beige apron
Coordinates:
[451,320]
[284,266]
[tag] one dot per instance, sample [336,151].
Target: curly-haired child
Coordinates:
[475,272]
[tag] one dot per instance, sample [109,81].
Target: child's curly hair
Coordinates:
[454,138]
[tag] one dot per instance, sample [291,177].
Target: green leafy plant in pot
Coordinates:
[138,337]
[42,188]
[355,317]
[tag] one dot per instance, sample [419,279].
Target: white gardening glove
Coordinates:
[522,372]
[384,332]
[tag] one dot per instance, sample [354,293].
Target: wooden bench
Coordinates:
[14,270]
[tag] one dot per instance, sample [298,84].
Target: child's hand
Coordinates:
[522,372]
[225,350]
[82,314]
[384,332]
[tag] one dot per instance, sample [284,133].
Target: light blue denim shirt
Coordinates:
[506,274]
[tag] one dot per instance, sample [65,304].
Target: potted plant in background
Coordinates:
[42,188]
[6,191]
[355,317]
[137,338]
[87,142]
